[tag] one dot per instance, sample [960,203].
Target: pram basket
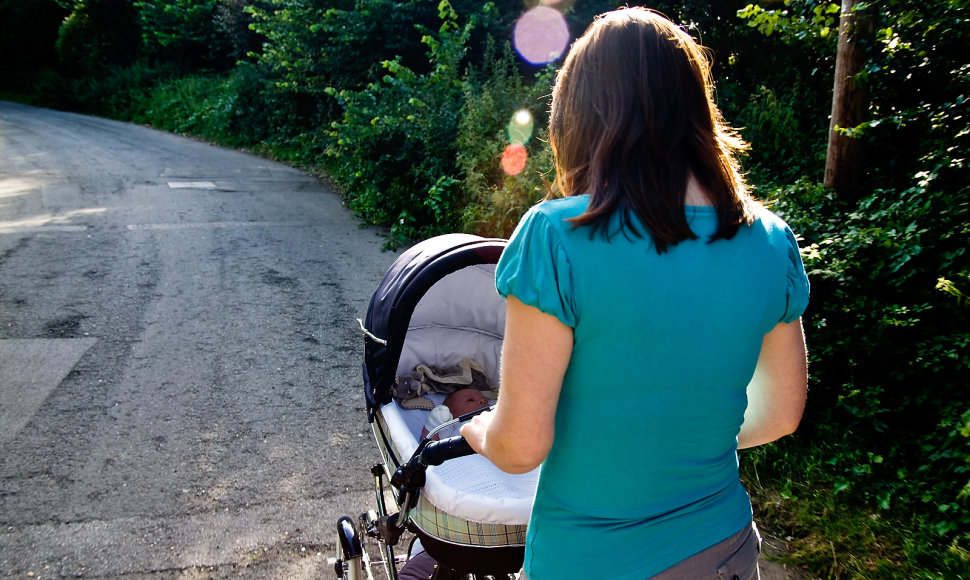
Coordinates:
[436,306]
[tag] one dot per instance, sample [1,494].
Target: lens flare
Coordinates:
[541,35]
[514,158]
[520,127]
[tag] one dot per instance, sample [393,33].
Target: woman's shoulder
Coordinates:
[562,208]
[546,223]
[769,221]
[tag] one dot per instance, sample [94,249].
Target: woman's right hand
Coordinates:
[517,435]
[474,430]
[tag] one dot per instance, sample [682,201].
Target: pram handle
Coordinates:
[437,452]
[409,478]
[434,452]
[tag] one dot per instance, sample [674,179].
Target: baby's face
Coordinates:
[465,401]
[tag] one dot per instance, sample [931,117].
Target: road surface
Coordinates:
[179,356]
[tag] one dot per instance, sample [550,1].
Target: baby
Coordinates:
[456,404]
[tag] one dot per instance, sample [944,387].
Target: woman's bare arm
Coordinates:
[518,434]
[777,391]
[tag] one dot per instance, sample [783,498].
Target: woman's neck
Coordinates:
[696,195]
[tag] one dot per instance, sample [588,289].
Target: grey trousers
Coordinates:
[735,558]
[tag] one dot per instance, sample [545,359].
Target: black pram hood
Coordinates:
[402,287]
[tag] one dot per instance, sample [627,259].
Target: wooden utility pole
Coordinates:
[844,167]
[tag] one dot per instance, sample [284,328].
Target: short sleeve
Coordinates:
[798,286]
[535,268]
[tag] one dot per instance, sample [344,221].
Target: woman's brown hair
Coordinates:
[633,117]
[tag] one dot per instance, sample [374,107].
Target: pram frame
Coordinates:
[384,330]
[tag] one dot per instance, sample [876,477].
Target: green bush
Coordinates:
[183,32]
[119,92]
[888,322]
[786,146]
[97,34]
[393,151]
[887,420]
[313,45]
[491,97]
[196,105]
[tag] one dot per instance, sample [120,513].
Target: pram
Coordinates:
[435,306]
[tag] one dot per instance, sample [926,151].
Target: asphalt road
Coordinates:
[179,356]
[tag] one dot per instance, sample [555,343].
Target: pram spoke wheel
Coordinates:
[378,541]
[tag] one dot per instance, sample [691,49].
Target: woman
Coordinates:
[653,322]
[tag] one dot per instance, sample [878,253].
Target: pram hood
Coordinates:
[391,307]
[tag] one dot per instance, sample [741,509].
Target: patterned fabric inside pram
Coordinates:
[436,306]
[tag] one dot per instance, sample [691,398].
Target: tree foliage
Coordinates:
[97,33]
[888,324]
[394,144]
[28,35]
[183,31]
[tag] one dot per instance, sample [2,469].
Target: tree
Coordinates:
[97,33]
[843,163]
[28,31]
[184,32]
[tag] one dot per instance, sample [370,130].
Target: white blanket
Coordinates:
[468,487]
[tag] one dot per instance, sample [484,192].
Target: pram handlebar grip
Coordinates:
[409,478]
[437,452]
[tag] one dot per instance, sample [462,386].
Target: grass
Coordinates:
[832,536]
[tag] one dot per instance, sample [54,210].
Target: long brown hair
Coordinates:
[633,117]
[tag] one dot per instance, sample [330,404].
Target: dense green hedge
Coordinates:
[408,106]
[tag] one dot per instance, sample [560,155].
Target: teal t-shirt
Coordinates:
[643,471]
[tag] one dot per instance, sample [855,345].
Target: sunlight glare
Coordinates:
[541,35]
[514,158]
[520,127]
[62,222]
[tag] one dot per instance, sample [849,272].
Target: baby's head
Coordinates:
[465,401]
[455,405]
